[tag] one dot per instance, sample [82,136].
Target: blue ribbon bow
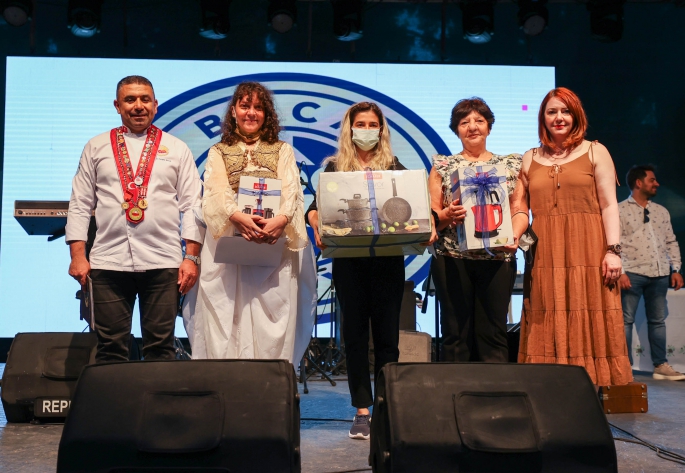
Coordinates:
[481,184]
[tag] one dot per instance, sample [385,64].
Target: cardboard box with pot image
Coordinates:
[256,196]
[373,213]
[483,193]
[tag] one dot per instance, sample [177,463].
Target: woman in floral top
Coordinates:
[473,288]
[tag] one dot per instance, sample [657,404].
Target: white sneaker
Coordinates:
[666,371]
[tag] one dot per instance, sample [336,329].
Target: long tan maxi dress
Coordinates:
[569,315]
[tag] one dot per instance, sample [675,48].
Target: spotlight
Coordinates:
[84,17]
[215,19]
[606,19]
[347,19]
[478,20]
[282,14]
[533,16]
[17,12]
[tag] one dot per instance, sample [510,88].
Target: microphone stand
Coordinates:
[314,358]
[307,184]
[424,309]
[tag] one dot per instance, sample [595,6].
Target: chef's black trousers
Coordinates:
[114,295]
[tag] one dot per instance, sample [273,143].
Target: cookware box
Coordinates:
[374,213]
[259,196]
[483,193]
[256,196]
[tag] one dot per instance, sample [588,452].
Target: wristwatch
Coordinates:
[194,259]
[615,249]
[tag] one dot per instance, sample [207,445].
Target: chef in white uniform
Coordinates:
[142,184]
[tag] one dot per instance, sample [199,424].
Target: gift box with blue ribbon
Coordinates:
[483,192]
[373,213]
[255,196]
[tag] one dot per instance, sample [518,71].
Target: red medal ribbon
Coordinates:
[132,190]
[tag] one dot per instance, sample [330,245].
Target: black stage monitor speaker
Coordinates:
[183,416]
[489,418]
[41,373]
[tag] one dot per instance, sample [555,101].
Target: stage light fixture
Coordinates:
[216,22]
[478,19]
[533,16]
[17,12]
[84,17]
[606,19]
[282,14]
[347,19]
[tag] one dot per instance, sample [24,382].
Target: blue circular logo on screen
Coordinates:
[310,108]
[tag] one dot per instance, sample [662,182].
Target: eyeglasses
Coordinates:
[646,216]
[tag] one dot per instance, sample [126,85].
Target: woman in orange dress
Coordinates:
[572,304]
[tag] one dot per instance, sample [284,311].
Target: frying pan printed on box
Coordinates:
[396,209]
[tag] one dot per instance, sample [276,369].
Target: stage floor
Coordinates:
[326,447]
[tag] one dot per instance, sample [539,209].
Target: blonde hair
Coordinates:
[345,159]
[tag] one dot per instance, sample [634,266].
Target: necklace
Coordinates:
[469,157]
[558,154]
[135,186]
[248,138]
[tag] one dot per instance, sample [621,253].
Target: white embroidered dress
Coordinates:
[238,311]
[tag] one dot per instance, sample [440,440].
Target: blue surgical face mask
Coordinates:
[365,139]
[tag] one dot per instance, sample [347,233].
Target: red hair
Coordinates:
[577,134]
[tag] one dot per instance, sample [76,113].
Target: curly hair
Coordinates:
[271,127]
[345,158]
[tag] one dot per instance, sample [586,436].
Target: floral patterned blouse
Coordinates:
[445,166]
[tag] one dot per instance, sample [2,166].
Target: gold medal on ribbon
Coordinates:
[135,214]
[134,185]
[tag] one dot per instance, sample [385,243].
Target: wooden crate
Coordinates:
[631,397]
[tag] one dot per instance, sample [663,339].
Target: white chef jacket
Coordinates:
[153,243]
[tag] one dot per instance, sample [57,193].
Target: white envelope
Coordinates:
[237,250]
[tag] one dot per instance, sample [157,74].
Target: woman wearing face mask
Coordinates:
[474,288]
[243,311]
[367,288]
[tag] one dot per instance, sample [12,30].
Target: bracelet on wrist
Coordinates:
[436,219]
[614,249]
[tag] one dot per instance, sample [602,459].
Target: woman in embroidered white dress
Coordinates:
[241,311]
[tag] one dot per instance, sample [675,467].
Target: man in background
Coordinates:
[651,263]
